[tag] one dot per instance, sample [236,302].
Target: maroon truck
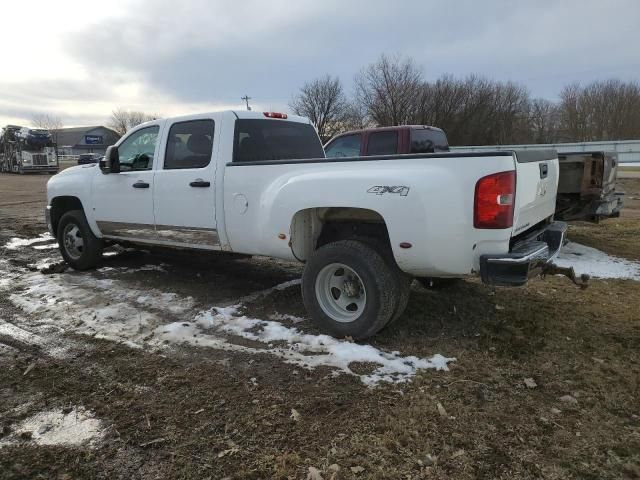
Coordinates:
[388,141]
[586,189]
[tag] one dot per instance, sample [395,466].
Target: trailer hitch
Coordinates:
[553,269]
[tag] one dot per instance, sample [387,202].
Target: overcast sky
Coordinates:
[80,59]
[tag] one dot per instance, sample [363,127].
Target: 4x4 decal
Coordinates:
[382,189]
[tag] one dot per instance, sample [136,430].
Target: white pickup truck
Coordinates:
[259,184]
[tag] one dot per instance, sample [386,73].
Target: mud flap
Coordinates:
[553,269]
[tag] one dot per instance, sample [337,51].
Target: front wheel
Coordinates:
[79,247]
[349,289]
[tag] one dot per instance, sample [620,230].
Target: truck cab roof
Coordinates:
[393,128]
[239,114]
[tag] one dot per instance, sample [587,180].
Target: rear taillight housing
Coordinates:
[494,200]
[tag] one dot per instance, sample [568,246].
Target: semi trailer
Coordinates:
[24,149]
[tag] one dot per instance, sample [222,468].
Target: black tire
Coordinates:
[82,257]
[433,283]
[378,280]
[403,281]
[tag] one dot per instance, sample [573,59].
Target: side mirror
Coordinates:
[110,163]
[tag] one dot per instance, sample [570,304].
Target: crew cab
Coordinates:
[260,184]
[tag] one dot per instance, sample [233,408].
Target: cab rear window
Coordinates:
[258,140]
[383,143]
[425,140]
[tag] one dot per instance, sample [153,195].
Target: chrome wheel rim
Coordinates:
[73,241]
[340,292]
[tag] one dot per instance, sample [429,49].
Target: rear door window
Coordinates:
[189,145]
[424,140]
[258,140]
[347,146]
[382,143]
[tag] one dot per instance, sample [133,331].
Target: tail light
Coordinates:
[275,115]
[494,200]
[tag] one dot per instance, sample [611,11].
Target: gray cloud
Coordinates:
[217,51]
[203,51]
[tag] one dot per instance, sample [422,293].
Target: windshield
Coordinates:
[258,140]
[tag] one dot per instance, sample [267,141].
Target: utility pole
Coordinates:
[246,98]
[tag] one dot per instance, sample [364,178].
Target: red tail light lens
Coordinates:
[494,200]
[275,115]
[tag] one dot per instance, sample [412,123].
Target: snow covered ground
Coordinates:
[102,305]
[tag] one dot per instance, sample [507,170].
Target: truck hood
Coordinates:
[72,181]
[76,170]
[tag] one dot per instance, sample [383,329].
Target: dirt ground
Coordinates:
[546,381]
[620,236]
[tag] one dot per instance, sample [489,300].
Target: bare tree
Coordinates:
[48,122]
[602,110]
[574,122]
[122,120]
[355,118]
[324,103]
[472,110]
[544,121]
[389,89]
[475,110]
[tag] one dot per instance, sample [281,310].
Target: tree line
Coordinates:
[473,110]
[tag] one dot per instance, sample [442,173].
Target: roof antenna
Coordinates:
[246,98]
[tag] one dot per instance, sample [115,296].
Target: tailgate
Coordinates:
[536,187]
[610,172]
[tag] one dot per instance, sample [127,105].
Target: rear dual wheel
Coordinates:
[350,289]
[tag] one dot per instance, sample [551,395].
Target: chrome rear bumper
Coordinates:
[526,259]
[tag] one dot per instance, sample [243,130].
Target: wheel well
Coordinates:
[314,227]
[60,206]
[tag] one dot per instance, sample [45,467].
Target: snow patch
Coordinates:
[44,263]
[596,263]
[109,308]
[16,243]
[103,308]
[74,428]
[299,348]
[29,338]
[143,268]
[50,246]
